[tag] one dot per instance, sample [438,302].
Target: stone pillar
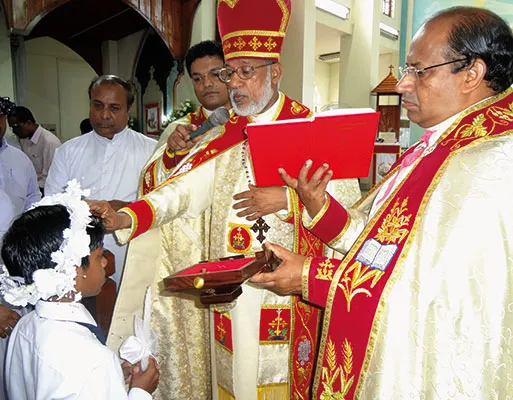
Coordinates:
[359,60]
[6,70]
[298,55]
[19,65]
[110,57]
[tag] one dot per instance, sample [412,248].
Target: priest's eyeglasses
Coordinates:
[244,72]
[418,73]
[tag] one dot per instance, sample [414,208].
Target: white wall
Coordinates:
[203,28]
[334,82]
[57,79]
[322,81]
[127,52]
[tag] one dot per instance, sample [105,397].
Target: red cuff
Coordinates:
[143,217]
[331,222]
[169,160]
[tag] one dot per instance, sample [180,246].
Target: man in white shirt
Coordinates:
[36,142]
[17,174]
[108,160]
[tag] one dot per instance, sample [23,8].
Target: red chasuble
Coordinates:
[169,159]
[355,289]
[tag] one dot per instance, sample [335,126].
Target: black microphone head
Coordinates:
[220,116]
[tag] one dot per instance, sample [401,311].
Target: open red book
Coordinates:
[343,138]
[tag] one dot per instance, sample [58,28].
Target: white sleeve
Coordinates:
[33,192]
[7,214]
[185,197]
[48,154]
[57,174]
[105,382]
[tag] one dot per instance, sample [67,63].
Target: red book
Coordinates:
[343,138]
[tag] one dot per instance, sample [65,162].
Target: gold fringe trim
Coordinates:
[274,391]
[223,394]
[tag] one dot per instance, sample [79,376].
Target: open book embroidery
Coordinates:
[376,255]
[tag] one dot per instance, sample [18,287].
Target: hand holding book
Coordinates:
[312,192]
[343,139]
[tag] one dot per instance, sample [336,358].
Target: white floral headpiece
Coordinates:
[60,280]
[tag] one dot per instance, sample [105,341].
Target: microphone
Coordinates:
[220,116]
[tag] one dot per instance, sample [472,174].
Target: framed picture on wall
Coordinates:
[385,155]
[152,119]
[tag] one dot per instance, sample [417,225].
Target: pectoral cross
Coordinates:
[260,226]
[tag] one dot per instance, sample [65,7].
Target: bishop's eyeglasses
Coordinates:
[418,73]
[244,72]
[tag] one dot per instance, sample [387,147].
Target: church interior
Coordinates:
[337,54]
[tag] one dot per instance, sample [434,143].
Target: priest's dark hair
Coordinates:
[114,80]
[477,33]
[33,237]
[207,48]
[23,114]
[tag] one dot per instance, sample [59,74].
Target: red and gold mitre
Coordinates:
[253,29]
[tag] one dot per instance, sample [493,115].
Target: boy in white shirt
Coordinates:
[56,351]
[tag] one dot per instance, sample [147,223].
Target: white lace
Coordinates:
[60,280]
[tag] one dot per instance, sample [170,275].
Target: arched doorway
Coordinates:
[110,35]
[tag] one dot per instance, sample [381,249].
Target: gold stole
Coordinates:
[276,320]
[361,283]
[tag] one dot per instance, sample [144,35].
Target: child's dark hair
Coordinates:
[36,234]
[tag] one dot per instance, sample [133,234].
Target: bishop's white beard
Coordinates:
[254,107]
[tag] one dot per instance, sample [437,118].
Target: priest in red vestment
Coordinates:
[421,305]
